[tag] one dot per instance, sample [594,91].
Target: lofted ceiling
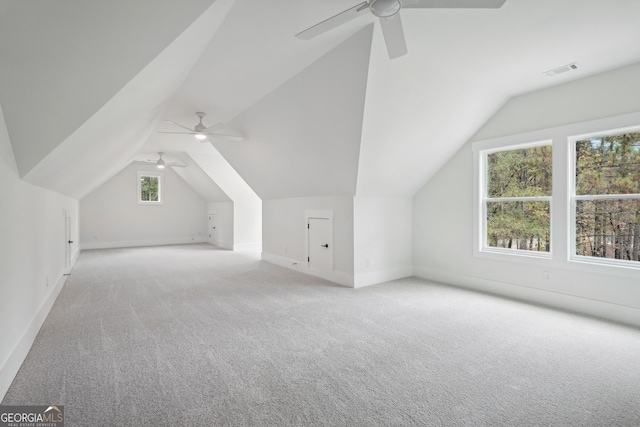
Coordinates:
[84,86]
[64,60]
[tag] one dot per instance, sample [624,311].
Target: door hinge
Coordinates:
[307,259]
[307,226]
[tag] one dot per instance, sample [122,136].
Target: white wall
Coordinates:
[32,258]
[224,223]
[371,236]
[443,209]
[198,179]
[247,206]
[382,239]
[603,95]
[91,130]
[304,136]
[247,223]
[112,217]
[284,233]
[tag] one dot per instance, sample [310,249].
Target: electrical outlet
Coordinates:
[366,262]
[547,276]
[285,249]
[46,283]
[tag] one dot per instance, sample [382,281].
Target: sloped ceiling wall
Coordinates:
[201,182]
[417,114]
[305,135]
[187,169]
[247,206]
[84,84]
[54,81]
[84,121]
[608,95]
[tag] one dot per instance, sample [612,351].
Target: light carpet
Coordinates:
[197,336]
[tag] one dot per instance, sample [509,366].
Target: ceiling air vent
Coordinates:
[561,70]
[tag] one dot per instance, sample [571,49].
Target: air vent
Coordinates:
[561,70]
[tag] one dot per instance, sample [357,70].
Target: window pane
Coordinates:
[608,228]
[149,188]
[608,165]
[519,225]
[519,173]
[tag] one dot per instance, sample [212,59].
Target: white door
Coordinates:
[213,235]
[320,244]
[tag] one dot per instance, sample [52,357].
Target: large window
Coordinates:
[605,197]
[149,188]
[586,215]
[516,199]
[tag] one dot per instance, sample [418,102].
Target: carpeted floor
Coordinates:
[196,336]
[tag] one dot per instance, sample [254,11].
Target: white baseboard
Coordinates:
[221,244]
[74,258]
[292,264]
[381,276]
[248,247]
[289,263]
[13,363]
[147,242]
[606,310]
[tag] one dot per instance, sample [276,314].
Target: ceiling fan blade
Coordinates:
[154,163]
[178,124]
[334,21]
[210,128]
[453,4]
[234,137]
[393,36]
[217,127]
[180,133]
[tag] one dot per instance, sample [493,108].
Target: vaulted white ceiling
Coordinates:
[84,85]
[63,61]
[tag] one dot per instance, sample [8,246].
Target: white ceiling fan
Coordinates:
[388,12]
[160,163]
[201,132]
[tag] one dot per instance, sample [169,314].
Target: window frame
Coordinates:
[573,198]
[562,261]
[481,189]
[153,174]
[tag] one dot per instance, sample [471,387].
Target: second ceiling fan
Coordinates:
[160,163]
[388,13]
[201,132]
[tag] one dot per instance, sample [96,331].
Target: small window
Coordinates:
[516,199]
[149,188]
[605,199]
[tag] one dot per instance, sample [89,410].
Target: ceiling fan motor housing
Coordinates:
[385,8]
[200,127]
